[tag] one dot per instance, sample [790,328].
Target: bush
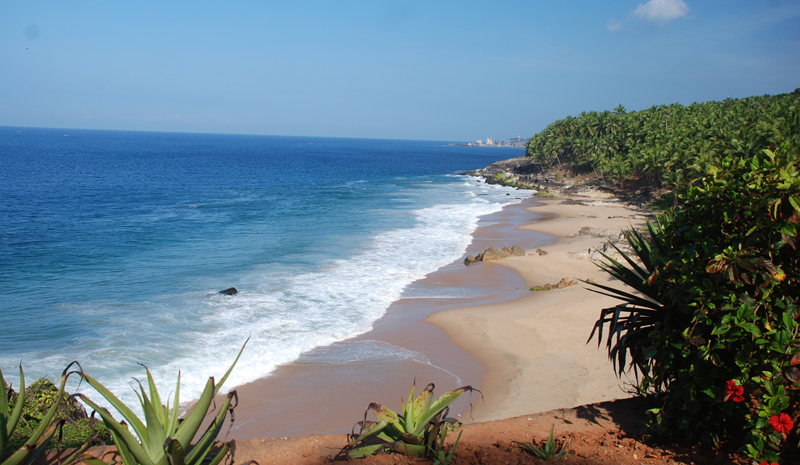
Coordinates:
[716,341]
[76,431]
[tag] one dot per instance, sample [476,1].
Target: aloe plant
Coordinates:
[420,431]
[162,438]
[9,418]
[550,450]
[445,458]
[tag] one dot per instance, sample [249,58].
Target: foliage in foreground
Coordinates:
[77,428]
[715,338]
[420,431]
[162,438]
[549,450]
[31,418]
[12,412]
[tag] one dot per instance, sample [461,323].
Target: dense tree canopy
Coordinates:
[669,144]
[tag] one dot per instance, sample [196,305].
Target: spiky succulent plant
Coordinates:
[550,450]
[420,431]
[162,438]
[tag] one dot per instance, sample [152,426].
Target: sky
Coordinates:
[426,70]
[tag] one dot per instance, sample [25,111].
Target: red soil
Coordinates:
[604,433]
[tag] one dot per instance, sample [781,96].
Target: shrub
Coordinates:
[24,448]
[78,428]
[715,339]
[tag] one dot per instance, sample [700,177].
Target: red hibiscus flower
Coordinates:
[781,423]
[766,463]
[733,390]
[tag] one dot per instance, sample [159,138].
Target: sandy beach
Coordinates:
[534,347]
[525,350]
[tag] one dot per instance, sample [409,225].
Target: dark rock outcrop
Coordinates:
[229,291]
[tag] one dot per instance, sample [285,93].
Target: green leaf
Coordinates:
[173,421]
[720,330]
[188,428]
[13,419]
[221,454]
[156,399]
[227,373]
[176,452]
[366,451]
[89,459]
[795,201]
[437,407]
[203,446]
[123,409]
[125,437]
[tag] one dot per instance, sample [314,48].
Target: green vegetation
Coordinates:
[544,194]
[420,431]
[549,450]
[668,144]
[77,428]
[712,332]
[23,449]
[540,288]
[162,438]
[31,418]
[506,180]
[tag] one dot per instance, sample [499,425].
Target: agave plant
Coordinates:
[441,457]
[10,418]
[420,431]
[550,450]
[163,439]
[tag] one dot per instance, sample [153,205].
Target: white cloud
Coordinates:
[662,10]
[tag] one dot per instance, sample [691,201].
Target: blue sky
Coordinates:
[437,70]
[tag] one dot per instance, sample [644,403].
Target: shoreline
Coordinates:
[452,342]
[526,349]
[535,347]
[342,390]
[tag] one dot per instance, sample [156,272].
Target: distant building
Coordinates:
[513,142]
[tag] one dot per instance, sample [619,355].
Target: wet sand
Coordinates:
[328,390]
[460,325]
[535,347]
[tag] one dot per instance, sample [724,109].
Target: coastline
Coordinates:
[344,377]
[535,347]
[525,350]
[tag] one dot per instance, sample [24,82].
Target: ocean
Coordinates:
[114,245]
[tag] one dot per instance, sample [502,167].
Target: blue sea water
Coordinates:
[114,245]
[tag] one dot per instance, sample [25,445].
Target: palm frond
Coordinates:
[630,323]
